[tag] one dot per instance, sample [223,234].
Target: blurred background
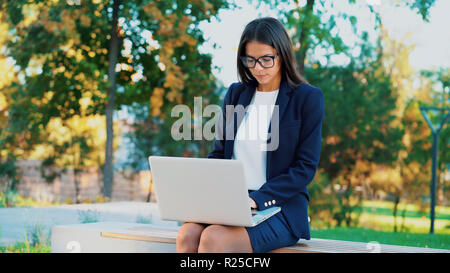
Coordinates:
[87,89]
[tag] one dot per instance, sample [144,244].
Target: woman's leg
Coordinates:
[188,237]
[218,238]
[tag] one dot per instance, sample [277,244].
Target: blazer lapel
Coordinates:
[284,94]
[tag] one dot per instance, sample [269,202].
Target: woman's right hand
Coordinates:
[252,203]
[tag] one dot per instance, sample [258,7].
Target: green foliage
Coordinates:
[140,219]
[152,136]
[310,31]
[23,247]
[38,235]
[422,7]
[12,198]
[71,47]
[37,240]
[358,102]
[9,172]
[358,130]
[88,216]
[62,54]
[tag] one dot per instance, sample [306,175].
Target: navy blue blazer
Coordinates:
[292,166]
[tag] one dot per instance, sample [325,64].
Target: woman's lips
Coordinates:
[260,76]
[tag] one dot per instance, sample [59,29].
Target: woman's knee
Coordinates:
[212,239]
[188,237]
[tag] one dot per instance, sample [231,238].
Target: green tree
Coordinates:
[73,49]
[357,127]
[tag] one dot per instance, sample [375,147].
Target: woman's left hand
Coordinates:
[252,203]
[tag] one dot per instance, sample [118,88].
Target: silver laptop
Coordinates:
[200,190]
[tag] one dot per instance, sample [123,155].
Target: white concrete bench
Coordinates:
[107,237]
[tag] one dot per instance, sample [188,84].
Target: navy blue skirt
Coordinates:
[271,234]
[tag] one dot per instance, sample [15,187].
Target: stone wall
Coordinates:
[130,186]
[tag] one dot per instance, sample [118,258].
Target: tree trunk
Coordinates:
[303,38]
[108,171]
[100,175]
[76,180]
[403,227]
[396,202]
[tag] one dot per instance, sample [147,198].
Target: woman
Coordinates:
[275,177]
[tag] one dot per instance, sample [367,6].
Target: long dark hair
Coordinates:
[269,31]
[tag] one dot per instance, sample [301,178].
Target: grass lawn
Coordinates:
[399,238]
[376,223]
[412,211]
[378,215]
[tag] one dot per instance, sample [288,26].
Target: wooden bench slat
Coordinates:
[144,234]
[145,238]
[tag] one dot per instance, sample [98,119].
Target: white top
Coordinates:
[250,144]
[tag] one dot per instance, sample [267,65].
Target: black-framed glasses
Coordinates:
[265,61]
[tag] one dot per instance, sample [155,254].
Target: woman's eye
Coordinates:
[266,60]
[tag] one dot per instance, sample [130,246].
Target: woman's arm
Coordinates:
[282,187]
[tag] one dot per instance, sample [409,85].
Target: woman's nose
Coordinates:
[258,67]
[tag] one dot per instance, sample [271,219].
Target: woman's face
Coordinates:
[268,78]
